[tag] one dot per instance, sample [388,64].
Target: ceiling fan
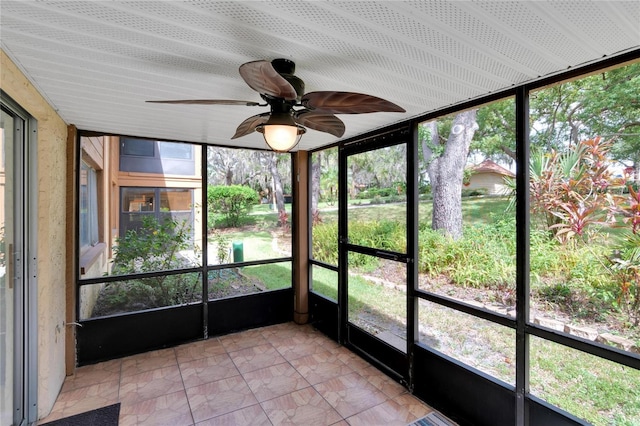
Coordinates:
[291,110]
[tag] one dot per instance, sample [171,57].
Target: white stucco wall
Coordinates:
[51,253]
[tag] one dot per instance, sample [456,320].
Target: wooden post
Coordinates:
[301,237]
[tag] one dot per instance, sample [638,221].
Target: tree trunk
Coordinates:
[446,174]
[228,177]
[277,182]
[315,183]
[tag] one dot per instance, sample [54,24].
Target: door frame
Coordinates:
[25,343]
[394,362]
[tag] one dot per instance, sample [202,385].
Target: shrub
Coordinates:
[625,265]
[325,242]
[386,235]
[473,192]
[154,247]
[233,202]
[483,257]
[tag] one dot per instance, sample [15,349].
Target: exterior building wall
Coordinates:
[493,183]
[51,252]
[153,180]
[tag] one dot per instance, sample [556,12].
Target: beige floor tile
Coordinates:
[320,367]
[351,359]
[150,384]
[256,357]
[271,382]
[221,397]
[200,349]
[303,407]
[205,370]
[350,394]
[382,382]
[93,374]
[416,408]
[399,411]
[243,340]
[84,399]
[299,344]
[283,374]
[148,361]
[254,416]
[170,410]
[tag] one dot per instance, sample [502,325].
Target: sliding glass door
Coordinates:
[17,339]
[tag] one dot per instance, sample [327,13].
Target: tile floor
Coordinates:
[284,374]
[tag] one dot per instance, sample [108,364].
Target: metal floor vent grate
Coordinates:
[433,419]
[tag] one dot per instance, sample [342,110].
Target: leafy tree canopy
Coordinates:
[605,104]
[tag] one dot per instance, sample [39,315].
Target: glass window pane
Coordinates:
[377,297]
[467,230]
[324,206]
[140,294]
[231,282]
[155,239]
[249,205]
[479,343]
[174,200]
[377,212]
[8,325]
[138,147]
[138,199]
[325,282]
[591,388]
[88,200]
[585,265]
[182,151]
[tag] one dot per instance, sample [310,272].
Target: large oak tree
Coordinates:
[445,160]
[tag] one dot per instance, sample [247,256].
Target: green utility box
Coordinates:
[238,251]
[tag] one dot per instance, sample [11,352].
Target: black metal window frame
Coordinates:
[522,325]
[203,269]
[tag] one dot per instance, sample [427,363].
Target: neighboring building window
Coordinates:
[180,151]
[161,203]
[147,156]
[138,147]
[89,235]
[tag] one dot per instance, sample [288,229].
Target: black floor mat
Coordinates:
[105,416]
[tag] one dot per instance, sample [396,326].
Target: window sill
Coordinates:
[89,257]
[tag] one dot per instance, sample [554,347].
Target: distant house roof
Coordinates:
[488,166]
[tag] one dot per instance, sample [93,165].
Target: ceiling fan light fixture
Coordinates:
[281,133]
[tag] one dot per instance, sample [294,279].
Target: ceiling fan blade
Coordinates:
[320,121]
[248,126]
[347,103]
[263,78]
[207,102]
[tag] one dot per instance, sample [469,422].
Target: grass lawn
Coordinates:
[274,276]
[256,245]
[473,209]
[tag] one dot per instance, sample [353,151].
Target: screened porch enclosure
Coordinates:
[347,238]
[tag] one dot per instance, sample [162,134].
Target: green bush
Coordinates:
[376,192]
[484,257]
[154,247]
[387,235]
[473,192]
[325,242]
[233,202]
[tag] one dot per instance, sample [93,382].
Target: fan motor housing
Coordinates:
[286,69]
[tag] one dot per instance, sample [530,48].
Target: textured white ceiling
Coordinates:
[97,62]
